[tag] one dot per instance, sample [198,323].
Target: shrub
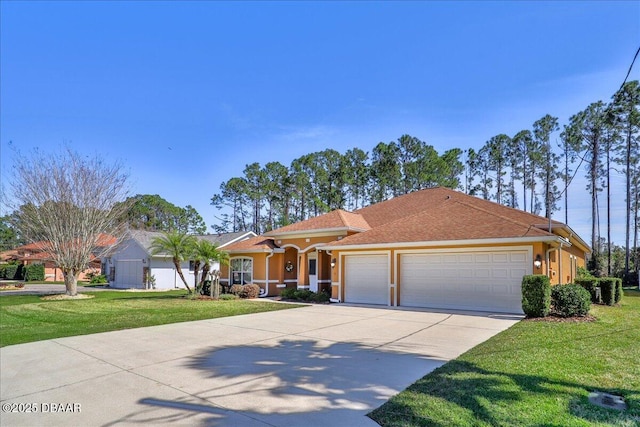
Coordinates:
[12,272]
[206,288]
[250,291]
[245,291]
[289,293]
[536,295]
[619,291]
[608,290]
[34,272]
[305,295]
[235,290]
[570,300]
[583,273]
[321,297]
[591,285]
[98,279]
[228,297]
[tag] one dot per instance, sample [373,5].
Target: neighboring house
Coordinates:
[435,248]
[38,253]
[132,265]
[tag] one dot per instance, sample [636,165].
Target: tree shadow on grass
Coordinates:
[474,395]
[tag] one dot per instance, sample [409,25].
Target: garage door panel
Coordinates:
[488,280]
[367,279]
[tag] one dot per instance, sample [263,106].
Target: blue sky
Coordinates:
[185,94]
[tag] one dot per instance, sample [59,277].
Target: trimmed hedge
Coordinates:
[305,295]
[536,295]
[570,300]
[13,271]
[590,284]
[34,272]
[619,292]
[608,290]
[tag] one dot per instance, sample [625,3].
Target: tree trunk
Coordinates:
[179,270]
[196,270]
[628,188]
[609,212]
[70,282]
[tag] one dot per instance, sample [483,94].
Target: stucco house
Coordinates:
[435,248]
[131,265]
[39,253]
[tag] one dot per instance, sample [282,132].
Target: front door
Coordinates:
[313,272]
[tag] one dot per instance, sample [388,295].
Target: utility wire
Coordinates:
[630,67]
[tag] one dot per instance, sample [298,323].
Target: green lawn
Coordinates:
[533,374]
[26,318]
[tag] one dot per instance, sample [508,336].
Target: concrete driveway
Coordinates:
[323,365]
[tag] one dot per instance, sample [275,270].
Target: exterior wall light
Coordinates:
[538,262]
[333,263]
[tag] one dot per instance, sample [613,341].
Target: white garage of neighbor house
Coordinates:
[131,265]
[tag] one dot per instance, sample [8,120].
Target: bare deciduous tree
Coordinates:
[68,203]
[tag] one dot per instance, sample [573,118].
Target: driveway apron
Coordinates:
[321,365]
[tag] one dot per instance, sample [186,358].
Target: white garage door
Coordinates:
[367,279]
[487,281]
[129,274]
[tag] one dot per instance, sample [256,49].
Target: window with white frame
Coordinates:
[241,271]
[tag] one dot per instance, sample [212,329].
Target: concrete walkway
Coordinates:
[324,365]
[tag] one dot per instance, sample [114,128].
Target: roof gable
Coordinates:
[338,220]
[254,244]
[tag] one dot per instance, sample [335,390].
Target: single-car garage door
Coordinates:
[129,273]
[367,279]
[484,280]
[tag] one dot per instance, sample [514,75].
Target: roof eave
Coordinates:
[331,230]
[465,242]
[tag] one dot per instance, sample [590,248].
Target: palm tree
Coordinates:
[207,252]
[176,245]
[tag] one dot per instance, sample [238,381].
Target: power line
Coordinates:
[630,67]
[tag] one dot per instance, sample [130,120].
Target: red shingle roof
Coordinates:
[338,220]
[431,215]
[440,214]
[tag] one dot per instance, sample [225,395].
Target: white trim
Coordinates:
[239,238]
[264,281]
[290,245]
[303,287]
[252,251]
[324,281]
[281,285]
[333,300]
[230,280]
[431,243]
[314,246]
[291,281]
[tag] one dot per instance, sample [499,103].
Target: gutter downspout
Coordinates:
[266,284]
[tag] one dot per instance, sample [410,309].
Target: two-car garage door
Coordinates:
[483,280]
[487,280]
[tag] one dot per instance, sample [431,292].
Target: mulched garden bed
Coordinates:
[560,319]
